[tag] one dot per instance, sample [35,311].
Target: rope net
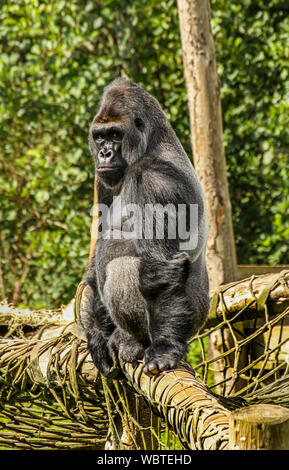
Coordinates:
[248,348]
[52,397]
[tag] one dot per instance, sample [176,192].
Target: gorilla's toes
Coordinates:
[157,359]
[158,365]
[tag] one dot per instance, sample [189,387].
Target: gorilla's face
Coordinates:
[116,144]
[119,133]
[110,164]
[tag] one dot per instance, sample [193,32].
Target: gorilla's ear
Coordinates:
[139,124]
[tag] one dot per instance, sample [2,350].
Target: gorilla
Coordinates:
[148,288]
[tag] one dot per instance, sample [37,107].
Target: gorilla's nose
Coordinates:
[106,154]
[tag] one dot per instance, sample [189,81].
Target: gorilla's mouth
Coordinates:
[105,168]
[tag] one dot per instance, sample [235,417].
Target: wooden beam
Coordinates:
[246,270]
[250,296]
[259,427]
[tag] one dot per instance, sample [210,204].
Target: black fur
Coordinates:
[147,297]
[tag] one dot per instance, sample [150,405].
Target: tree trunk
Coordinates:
[203,89]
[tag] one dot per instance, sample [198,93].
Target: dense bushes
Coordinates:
[55,59]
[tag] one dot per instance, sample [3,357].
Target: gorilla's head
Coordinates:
[128,125]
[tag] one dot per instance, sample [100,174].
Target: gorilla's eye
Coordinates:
[115,135]
[98,137]
[139,123]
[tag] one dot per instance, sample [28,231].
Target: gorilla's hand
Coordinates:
[101,356]
[125,346]
[159,276]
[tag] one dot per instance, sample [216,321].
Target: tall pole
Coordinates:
[203,90]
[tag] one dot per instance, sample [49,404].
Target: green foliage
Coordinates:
[252,43]
[55,59]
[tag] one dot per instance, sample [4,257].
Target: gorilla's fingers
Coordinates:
[104,361]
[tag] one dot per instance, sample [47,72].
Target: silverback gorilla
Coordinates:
[149,287]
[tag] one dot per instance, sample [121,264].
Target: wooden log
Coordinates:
[237,302]
[249,296]
[15,317]
[198,417]
[57,358]
[259,427]
[247,270]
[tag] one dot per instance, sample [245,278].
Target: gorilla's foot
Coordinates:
[161,356]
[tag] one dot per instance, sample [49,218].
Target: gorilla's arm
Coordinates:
[152,181]
[97,324]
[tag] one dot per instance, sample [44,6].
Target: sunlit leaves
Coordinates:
[56,57]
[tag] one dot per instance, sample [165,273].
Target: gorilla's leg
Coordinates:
[156,305]
[176,310]
[100,353]
[127,308]
[98,327]
[170,326]
[156,275]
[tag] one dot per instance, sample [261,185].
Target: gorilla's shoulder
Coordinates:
[149,167]
[158,180]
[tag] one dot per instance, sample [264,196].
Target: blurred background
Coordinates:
[56,57]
